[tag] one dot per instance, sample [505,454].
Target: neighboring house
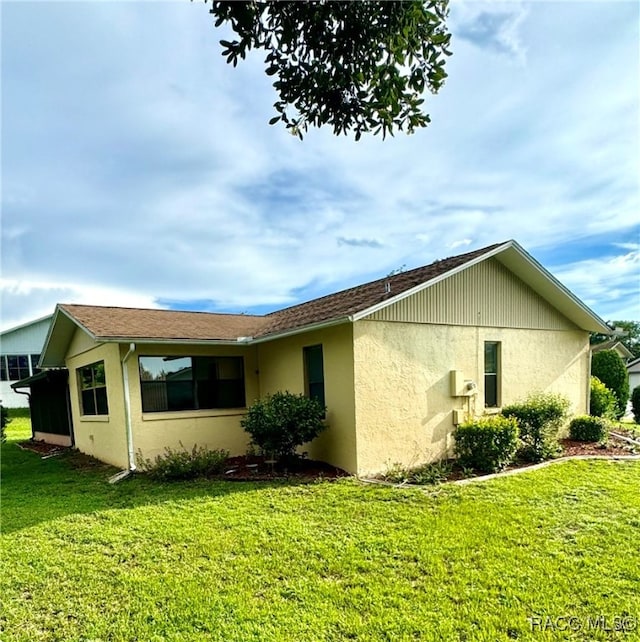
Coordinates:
[633,368]
[616,345]
[20,349]
[398,362]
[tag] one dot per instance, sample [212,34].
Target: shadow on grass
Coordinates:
[36,490]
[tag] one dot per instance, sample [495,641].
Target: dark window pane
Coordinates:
[314,372]
[101,401]
[180,395]
[231,394]
[190,383]
[154,396]
[491,357]
[316,391]
[491,391]
[18,367]
[4,374]
[93,389]
[88,403]
[86,378]
[34,363]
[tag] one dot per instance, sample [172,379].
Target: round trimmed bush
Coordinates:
[586,428]
[486,444]
[281,422]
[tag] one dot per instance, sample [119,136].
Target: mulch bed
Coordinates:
[41,447]
[256,468]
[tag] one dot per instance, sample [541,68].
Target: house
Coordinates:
[398,361]
[616,345]
[633,368]
[20,349]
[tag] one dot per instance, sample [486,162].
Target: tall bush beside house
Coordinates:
[609,367]
[540,417]
[602,402]
[486,444]
[635,404]
[281,422]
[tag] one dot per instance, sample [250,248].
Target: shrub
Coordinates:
[540,417]
[602,401]
[281,422]
[635,404]
[4,420]
[487,444]
[177,464]
[586,428]
[608,366]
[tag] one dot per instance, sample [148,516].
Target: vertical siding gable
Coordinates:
[486,294]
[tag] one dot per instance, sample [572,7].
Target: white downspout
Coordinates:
[127,406]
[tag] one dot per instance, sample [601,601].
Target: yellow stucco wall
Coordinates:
[281,364]
[102,437]
[404,410]
[154,431]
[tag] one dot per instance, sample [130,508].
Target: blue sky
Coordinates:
[138,168]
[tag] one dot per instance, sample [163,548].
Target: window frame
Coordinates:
[314,385]
[99,406]
[199,393]
[493,390]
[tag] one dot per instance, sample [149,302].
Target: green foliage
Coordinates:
[4,420]
[427,474]
[177,464]
[486,444]
[631,340]
[602,401]
[586,428]
[635,404]
[281,422]
[609,367]
[355,66]
[540,417]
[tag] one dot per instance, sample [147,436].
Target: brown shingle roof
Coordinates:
[354,300]
[132,323]
[135,323]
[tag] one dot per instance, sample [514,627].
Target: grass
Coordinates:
[191,561]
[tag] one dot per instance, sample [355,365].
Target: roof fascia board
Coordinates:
[302,329]
[427,284]
[190,342]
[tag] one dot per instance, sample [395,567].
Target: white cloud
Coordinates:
[135,161]
[609,283]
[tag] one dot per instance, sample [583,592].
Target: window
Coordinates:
[18,366]
[314,373]
[4,375]
[491,374]
[191,383]
[34,364]
[93,389]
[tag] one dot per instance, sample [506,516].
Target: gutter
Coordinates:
[127,409]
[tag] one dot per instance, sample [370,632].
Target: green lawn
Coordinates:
[85,560]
